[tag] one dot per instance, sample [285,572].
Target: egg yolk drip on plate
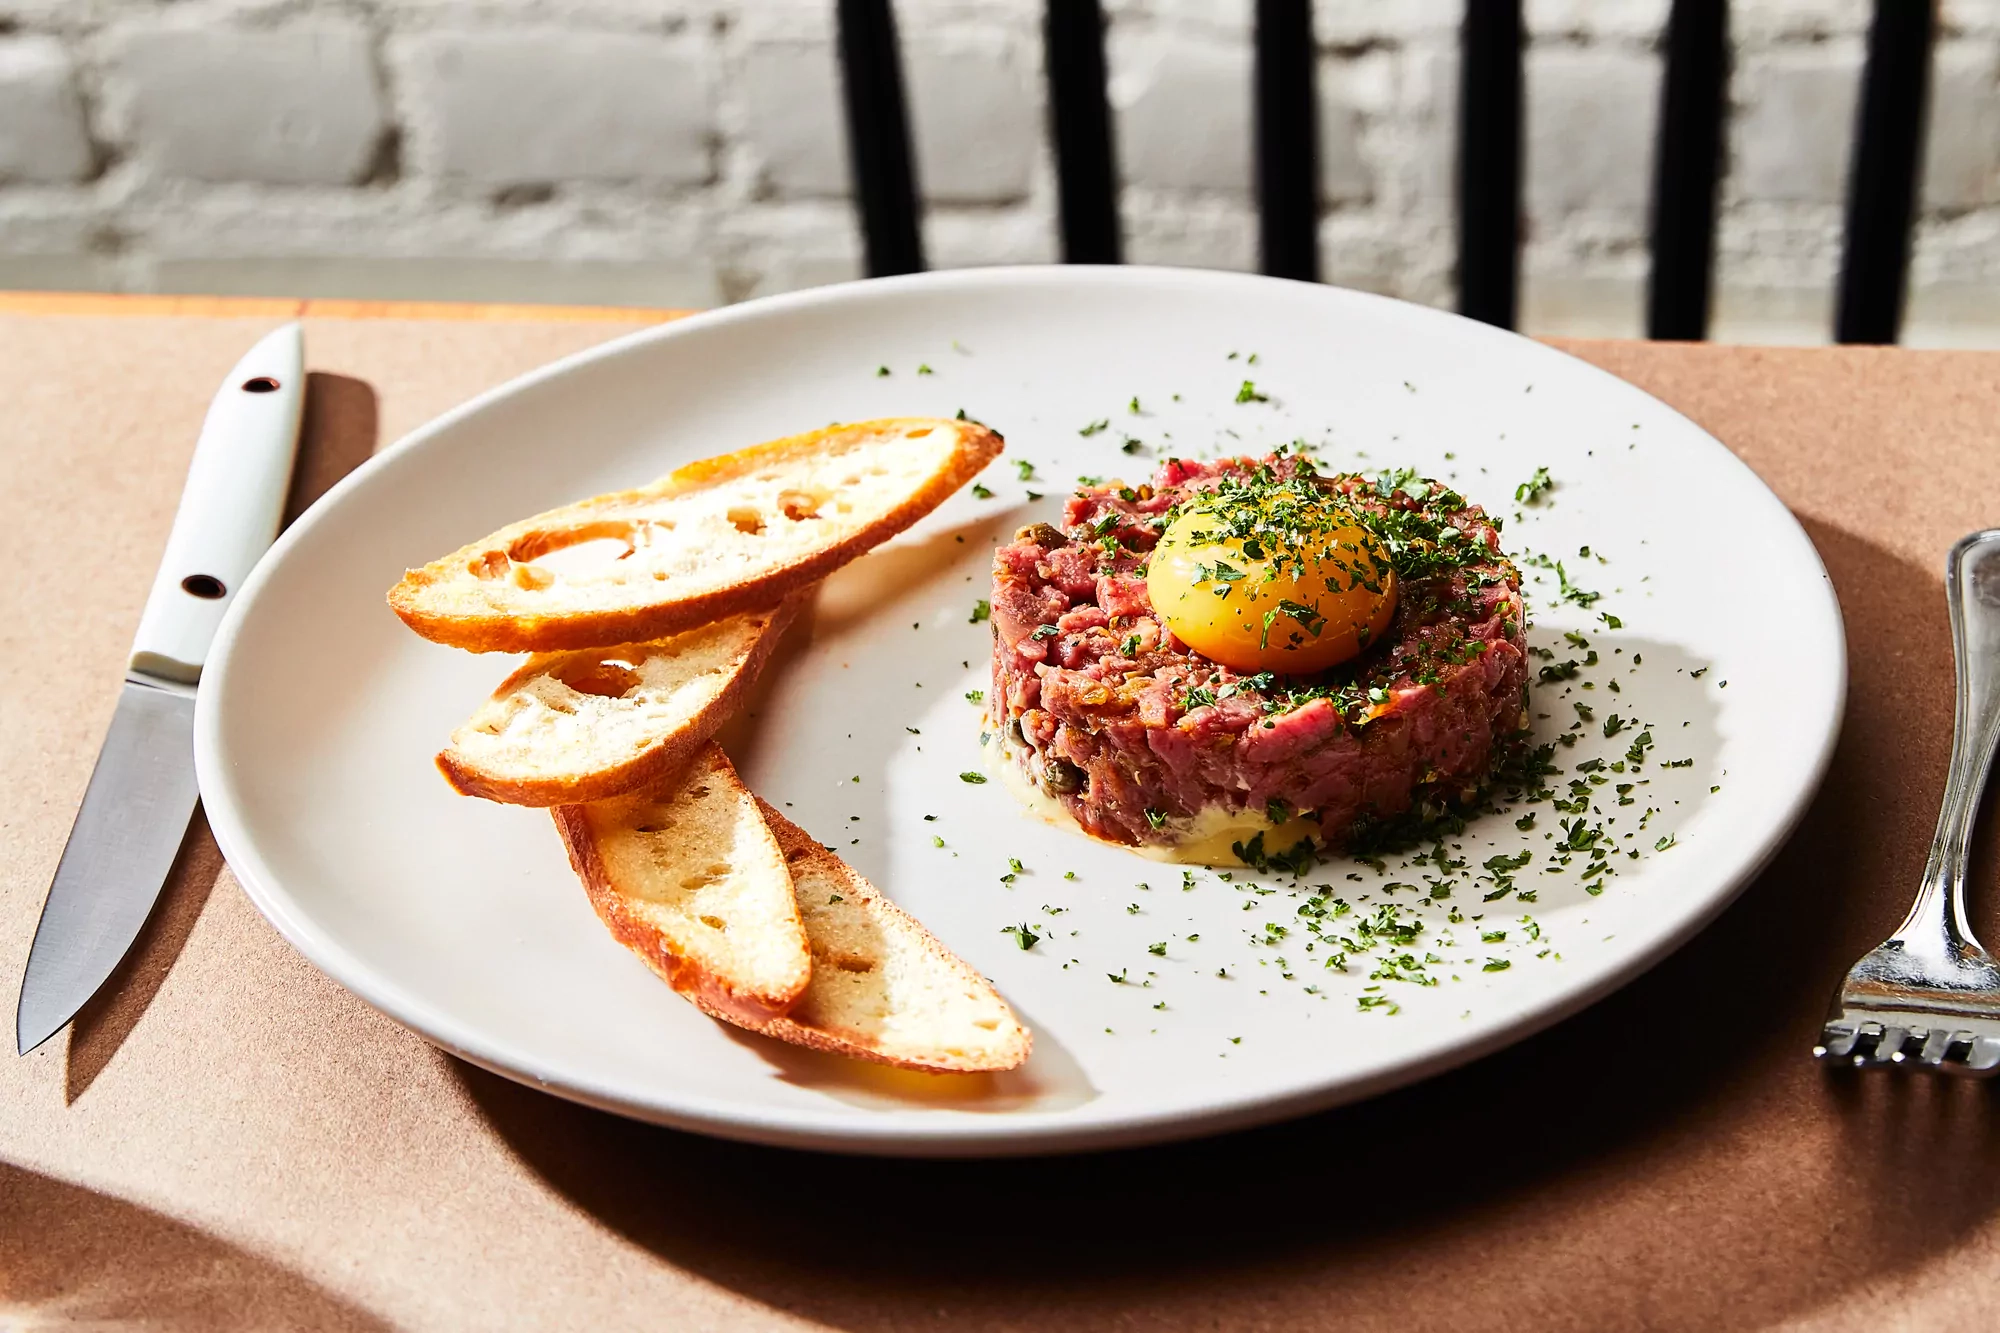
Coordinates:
[1287,580]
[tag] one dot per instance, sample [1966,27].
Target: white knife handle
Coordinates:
[230,509]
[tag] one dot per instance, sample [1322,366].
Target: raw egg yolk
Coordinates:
[1293,598]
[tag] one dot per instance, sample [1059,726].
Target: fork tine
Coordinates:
[1982,1055]
[1836,1041]
[1939,1046]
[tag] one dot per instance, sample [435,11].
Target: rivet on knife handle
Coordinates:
[230,509]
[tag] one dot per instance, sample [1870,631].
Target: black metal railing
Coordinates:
[1883,180]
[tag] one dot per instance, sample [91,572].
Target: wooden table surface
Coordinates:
[227,1139]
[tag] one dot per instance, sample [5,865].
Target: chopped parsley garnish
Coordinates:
[1101,423]
[1248,393]
[982,611]
[972,777]
[983,492]
[1534,487]
[1024,935]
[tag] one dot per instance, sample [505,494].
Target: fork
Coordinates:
[1929,995]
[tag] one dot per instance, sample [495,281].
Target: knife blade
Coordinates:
[142,791]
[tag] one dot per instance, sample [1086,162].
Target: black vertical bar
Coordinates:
[1489,161]
[1080,115]
[1287,139]
[1882,181]
[1686,165]
[878,135]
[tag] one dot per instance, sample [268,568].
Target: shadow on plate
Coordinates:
[1674,1148]
[1051,1080]
[70,1256]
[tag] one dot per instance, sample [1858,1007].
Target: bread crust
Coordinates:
[421,597]
[797,846]
[715,993]
[669,755]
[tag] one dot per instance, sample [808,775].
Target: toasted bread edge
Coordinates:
[978,445]
[711,993]
[793,839]
[643,769]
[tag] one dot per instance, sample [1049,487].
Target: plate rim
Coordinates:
[894,1133]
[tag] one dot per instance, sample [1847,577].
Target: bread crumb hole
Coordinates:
[799,505]
[606,680]
[797,854]
[579,550]
[490,565]
[848,962]
[650,828]
[700,791]
[918,434]
[990,1024]
[715,923]
[747,519]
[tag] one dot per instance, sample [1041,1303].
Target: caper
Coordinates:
[1014,732]
[1045,535]
[1063,777]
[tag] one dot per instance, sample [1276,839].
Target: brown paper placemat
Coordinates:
[231,1140]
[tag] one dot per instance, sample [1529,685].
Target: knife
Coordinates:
[142,792]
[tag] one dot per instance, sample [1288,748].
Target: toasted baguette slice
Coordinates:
[883,988]
[709,540]
[688,876]
[569,728]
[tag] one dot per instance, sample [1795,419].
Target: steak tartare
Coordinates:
[1099,708]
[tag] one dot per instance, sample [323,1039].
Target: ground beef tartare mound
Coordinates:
[1097,706]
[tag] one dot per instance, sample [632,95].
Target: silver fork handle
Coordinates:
[1936,928]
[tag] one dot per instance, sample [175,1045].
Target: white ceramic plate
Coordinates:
[320,712]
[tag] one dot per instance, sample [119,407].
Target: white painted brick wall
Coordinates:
[1962,164]
[290,106]
[975,113]
[793,125]
[1590,121]
[1182,103]
[694,151]
[42,131]
[533,106]
[1793,124]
